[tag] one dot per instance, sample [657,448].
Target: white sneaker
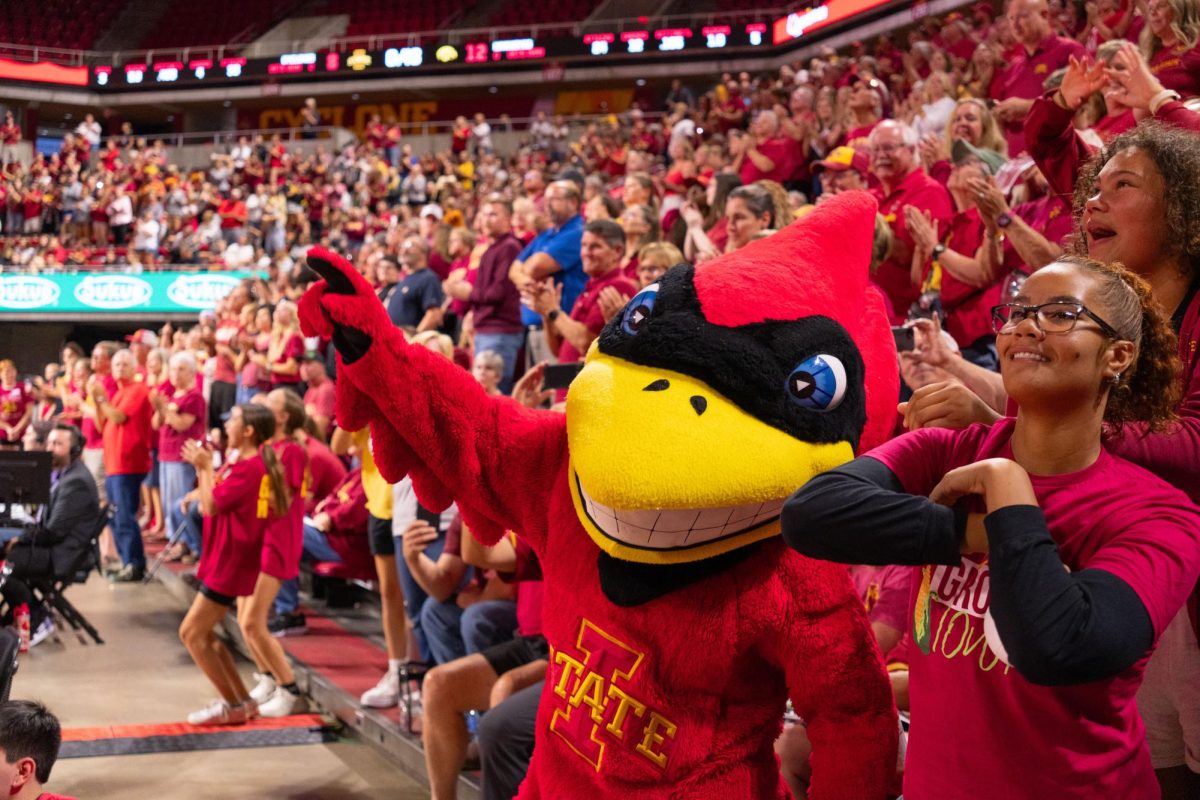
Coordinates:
[282,703]
[44,632]
[263,689]
[386,693]
[218,712]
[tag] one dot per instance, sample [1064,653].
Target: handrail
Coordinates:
[71,57]
[326,133]
[323,132]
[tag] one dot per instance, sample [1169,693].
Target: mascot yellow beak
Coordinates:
[665,470]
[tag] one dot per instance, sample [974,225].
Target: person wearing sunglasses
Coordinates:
[1046,568]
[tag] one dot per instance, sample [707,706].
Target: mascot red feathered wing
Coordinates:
[679,622]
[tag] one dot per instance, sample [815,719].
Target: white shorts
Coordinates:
[1169,699]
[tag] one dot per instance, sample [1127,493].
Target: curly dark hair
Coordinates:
[1176,155]
[1148,392]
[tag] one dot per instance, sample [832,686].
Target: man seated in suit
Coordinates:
[60,543]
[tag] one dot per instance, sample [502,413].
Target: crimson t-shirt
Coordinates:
[782,152]
[233,535]
[321,397]
[1178,67]
[93,440]
[170,441]
[127,444]
[293,348]
[13,403]
[982,731]
[285,535]
[894,274]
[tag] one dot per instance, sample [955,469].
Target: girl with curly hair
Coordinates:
[1136,203]
[1048,567]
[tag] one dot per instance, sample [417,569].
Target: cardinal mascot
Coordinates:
[679,623]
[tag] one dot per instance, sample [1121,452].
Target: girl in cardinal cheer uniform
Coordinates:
[238,504]
[1047,568]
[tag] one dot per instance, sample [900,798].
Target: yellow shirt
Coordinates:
[378,491]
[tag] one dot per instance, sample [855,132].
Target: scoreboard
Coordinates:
[450,54]
[436,57]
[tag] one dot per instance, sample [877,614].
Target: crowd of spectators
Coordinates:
[994,142]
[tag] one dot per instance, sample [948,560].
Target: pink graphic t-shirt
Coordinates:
[979,729]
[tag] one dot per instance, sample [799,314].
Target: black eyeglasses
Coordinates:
[1055,317]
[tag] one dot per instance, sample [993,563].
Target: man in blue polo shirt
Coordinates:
[417,300]
[555,252]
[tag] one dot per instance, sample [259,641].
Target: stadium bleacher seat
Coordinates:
[67,24]
[216,22]
[377,17]
[543,11]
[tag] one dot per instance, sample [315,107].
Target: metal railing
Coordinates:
[69,57]
[339,137]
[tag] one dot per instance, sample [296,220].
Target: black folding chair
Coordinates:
[50,590]
[10,650]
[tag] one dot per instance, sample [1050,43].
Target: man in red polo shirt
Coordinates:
[125,418]
[1022,82]
[764,154]
[902,182]
[601,249]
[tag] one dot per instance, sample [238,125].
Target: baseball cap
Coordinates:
[843,158]
[431,210]
[963,149]
[143,336]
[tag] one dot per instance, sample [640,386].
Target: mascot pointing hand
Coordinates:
[679,623]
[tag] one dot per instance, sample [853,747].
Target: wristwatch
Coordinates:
[553,315]
[1004,220]
[938,249]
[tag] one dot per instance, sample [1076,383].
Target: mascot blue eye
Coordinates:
[818,383]
[638,310]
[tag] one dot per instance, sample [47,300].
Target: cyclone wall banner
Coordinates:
[90,293]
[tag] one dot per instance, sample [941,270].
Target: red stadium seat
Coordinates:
[58,23]
[336,569]
[369,18]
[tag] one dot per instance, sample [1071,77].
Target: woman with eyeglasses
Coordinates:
[1046,567]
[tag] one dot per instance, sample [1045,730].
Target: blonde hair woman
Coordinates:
[972,122]
[1169,44]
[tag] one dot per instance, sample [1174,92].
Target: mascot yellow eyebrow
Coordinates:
[679,623]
